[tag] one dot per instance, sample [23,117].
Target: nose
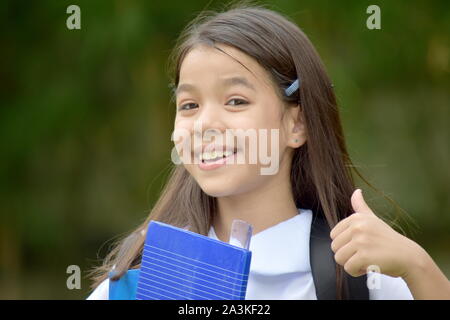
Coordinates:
[209,121]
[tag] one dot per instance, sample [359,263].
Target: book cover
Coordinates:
[183,265]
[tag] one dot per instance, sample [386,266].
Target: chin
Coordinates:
[226,183]
[217,189]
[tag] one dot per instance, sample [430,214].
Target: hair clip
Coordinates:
[292,88]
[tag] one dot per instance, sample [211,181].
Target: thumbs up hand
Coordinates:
[362,240]
[358,202]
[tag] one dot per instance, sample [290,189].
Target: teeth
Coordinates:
[214,155]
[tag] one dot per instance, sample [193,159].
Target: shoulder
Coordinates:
[389,288]
[101,292]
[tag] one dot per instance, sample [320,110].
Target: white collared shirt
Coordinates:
[280,268]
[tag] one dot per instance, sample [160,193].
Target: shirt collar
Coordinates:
[281,248]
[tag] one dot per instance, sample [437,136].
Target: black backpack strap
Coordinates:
[323,266]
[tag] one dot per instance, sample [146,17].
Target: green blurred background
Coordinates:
[86,118]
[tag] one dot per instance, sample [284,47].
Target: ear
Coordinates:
[295,129]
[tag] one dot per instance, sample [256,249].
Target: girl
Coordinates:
[231,71]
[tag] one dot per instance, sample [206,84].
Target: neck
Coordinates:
[269,204]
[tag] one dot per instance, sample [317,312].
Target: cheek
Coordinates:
[262,116]
[182,130]
[184,124]
[267,126]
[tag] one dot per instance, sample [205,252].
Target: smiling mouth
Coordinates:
[210,157]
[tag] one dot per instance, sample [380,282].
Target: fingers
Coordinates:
[352,260]
[348,237]
[345,253]
[341,239]
[350,245]
[360,207]
[341,226]
[355,266]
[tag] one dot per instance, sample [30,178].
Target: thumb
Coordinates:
[358,202]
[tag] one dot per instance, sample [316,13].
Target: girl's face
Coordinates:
[218,93]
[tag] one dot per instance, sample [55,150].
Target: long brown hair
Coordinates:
[321,169]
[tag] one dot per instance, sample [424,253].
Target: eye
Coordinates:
[187,106]
[237,102]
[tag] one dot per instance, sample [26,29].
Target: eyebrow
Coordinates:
[227,82]
[238,81]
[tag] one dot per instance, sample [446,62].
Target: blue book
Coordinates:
[125,287]
[183,265]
